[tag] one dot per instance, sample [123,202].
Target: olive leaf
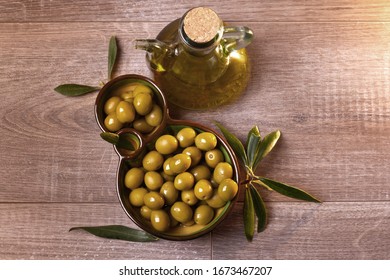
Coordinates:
[75,89]
[260,209]
[118,232]
[112,53]
[256,150]
[264,147]
[249,215]
[289,191]
[252,143]
[234,142]
[126,141]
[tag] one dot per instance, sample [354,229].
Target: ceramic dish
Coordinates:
[142,141]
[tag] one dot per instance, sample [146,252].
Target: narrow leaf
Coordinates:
[75,89]
[112,52]
[249,215]
[288,190]
[266,145]
[119,232]
[234,142]
[260,209]
[125,141]
[260,183]
[110,137]
[252,142]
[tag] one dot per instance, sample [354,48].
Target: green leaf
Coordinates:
[252,142]
[75,89]
[261,184]
[260,209]
[112,52]
[266,145]
[119,232]
[249,215]
[110,137]
[288,190]
[126,141]
[234,142]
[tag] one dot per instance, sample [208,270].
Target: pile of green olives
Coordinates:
[183,180]
[132,105]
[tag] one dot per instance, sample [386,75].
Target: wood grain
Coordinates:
[306,231]
[295,231]
[41,231]
[327,85]
[320,74]
[166,10]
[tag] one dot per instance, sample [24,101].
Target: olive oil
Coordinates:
[196,74]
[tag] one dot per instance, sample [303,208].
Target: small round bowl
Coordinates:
[109,90]
[141,142]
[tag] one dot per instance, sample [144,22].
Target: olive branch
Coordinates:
[256,149]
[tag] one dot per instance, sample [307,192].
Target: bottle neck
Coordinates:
[199,48]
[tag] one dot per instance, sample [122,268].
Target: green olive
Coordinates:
[145,212]
[184,181]
[167,167]
[186,137]
[174,222]
[143,103]
[134,178]
[203,214]
[111,103]
[142,126]
[160,220]
[201,172]
[153,180]
[152,161]
[167,177]
[213,183]
[112,123]
[180,163]
[181,212]
[128,88]
[203,189]
[194,153]
[206,141]
[189,223]
[213,157]
[142,88]
[136,196]
[125,112]
[155,116]
[154,200]
[128,96]
[227,189]
[169,192]
[188,196]
[166,144]
[222,171]
[215,201]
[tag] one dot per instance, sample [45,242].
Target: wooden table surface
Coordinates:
[320,74]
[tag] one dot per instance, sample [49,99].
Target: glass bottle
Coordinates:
[197,61]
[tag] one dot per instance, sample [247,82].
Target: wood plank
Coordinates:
[325,85]
[168,10]
[295,231]
[40,231]
[310,231]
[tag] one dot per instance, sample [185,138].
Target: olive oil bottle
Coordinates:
[197,61]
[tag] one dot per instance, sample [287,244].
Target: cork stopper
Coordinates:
[201,25]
